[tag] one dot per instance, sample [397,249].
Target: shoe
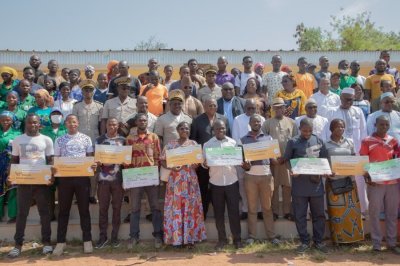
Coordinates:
[157,243]
[12,221]
[250,241]
[149,217]
[47,250]
[101,243]
[92,200]
[133,242]
[220,245]
[394,250]
[238,244]
[302,248]
[59,249]
[115,243]
[127,219]
[321,247]
[243,216]
[87,247]
[275,216]
[15,252]
[260,216]
[190,246]
[275,241]
[289,216]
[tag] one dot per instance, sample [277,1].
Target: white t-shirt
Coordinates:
[241,80]
[32,150]
[73,145]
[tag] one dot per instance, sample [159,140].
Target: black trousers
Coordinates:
[204,180]
[41,195]
[68,186]
[229,195]
[300,206]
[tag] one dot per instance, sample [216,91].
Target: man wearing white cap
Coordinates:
[355,129]
[387,102]
[319,122]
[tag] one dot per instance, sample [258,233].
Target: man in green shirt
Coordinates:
[345,79]
[26,100]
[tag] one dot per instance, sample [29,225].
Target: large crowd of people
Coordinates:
[312,114]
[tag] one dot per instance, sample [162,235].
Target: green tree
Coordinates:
[353,33]
[152,43]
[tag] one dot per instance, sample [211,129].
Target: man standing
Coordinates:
[192,106]
[385,55]
[211,89]
[198,80]
[32,148]
[224,189]
[223,75]
[145,152]
[355,68]
[230,105]
[241,79]
[133,85]
[281,128]
[142,107]
[319,122]
[305,81]
[155,92]
[323,72]
[345,79]
[259,184]
[372,83]
[184,71]
[73,144]
[35,63]
[101,92]
[168,71]
[272,81]
[53,68]
[29,74]
[386,86]
[153,66]
[324,98]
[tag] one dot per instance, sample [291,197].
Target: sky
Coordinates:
[207,24]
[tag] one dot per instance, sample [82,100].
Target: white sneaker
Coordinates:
[47,250]
[87,247]
[59,249]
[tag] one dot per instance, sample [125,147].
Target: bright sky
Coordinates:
[206,24]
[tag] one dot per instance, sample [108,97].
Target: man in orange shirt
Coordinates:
[155,92]
[305,81]
[373,82]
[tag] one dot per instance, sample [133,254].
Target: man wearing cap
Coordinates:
[305,81]
[35,62]
[282,128]
[120,107]
[335,84]
[311,69]
[223,75]
[272,81]
[387,103]
[10,81]
[323,72]
[89,72]
[52,66]
[89,114]
[211,89]
[155,92]
[319,122]
[386,86]
[241,79]
[324,98]
[355,129]
[166,124]
[230,105]
[134,85]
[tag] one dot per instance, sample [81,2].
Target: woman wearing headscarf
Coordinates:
[7,134]
[10,81]
[12,106]
[44,103]
[112,69]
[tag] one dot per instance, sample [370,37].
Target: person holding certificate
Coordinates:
[224,189]
[382,147]
[77,145]
[109,187]
[307,189]
[259,184]
[344,209]
[183,210]
[145,152]
[32,148]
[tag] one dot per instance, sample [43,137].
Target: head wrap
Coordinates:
[387,94]
[14,93]
[311,101]
[348,91]
[9,70]
[7,114]
[89,68]
[258,65]
[49,101]
[111,64]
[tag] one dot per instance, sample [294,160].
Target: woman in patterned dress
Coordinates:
[183,211]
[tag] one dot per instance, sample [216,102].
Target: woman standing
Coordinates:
[7,134]
[183,211]
[359,101]
[64,102]
[295,99]
[344,209]
[252,91]
[44,102]
[19,114]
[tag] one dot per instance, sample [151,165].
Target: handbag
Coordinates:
[342,185]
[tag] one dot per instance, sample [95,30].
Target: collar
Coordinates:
[385,138]
[249,135]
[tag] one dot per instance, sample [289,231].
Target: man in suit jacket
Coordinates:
[230,105]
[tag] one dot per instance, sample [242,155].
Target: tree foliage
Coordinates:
[152,43]
[353,33]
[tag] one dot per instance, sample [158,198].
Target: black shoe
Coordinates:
[220,245]
[394,250]
[92,200]
[321,247]
[127,219]
[260,216]
[149,217]
[275,216]
[101,243]
[302,248]
[12,221]
[115,243]
[289,216]
[238,244]
[243,216]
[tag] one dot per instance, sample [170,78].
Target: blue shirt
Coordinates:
[228,112]
[100,96]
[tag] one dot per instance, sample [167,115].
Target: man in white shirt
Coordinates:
[241,79]
[319,122]
[224,189]
[324,98]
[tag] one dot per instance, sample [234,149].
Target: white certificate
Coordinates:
[310,166]
[140,177]
[224,156]
[384,171]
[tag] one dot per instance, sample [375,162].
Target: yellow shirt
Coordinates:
[373,83]
[306,83]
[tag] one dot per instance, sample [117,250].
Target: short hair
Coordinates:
[28,68]
[112,118]
[182,67]
[336,74]
[182,123]
[301,58]
[342,61]
[168,66]
[140,115]
[255,116]
[191,60]
[306,122]
[64,84]
[71,115]
[246,57]
[335,122]
[76,71]
[383,81]
[357,84]
[32,115]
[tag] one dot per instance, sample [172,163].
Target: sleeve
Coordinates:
[237,81]
[193,130]
[157,151]
[89,147]
[49,151]
[235,129]
[370,124]
[323,153]
[363,125]
[289,150]
[165,93]
[303,100]
[364,149]
[368,83]
[393,81]
[265,127]
[200,108]
[75,110]
[159,128]
[295,130]
[15,147]
[104,113]
[57,148]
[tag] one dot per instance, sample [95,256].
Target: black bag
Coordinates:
[342,185]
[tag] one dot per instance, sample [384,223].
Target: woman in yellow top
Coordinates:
[253,91]
[295,99]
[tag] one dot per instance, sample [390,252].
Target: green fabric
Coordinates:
[11,203]
[4,90]
[5,137]
[44,115]
[28,103]
[3,104]
[48,131]
[346,81]
[20,115]
[336,91]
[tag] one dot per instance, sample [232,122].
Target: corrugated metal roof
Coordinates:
[177,57]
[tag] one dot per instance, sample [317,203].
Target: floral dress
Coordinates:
[183,211]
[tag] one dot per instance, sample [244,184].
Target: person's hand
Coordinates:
[281,160]
[176,168]
[292,174]
[94,166]
[125,165]
[368,180]
[51,181]
[53,171]
[274,161]
[8,182]
[205,165]
[246,165]
[194,165]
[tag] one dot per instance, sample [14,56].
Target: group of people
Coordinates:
[311,114]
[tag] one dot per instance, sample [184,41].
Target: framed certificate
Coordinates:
[184,156]
[25,174]
[384,171]
[349,165]
[71,166]
[261,150]
[140,177]
[113,154]
[224,156]
[310,166]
